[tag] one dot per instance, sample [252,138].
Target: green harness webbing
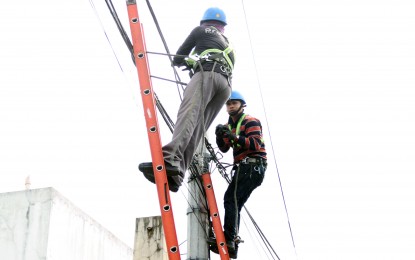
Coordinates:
[238,128]
[238,125]
[217,55]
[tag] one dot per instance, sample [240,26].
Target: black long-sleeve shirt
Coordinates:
[200,39]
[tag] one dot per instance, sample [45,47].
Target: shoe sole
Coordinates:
[147,168]
[211,242]
[215,250]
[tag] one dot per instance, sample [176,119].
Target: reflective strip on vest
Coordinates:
[238,128]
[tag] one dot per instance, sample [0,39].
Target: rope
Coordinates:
[235,200]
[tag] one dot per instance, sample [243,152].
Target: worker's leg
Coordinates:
[246,179]
[203,98]
[187,118]
[216,92]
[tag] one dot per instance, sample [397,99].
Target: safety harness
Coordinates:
[212,55]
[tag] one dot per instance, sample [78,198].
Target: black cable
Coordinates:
[121,29]
[262,235]
[176,75]
[266,119]
[164,114]
[178,82]
[106,35]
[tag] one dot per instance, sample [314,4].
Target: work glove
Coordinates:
[185,65]
[228,133]
[179,63]
[219,130]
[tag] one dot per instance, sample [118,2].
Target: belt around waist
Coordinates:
[254,160]
[219,68]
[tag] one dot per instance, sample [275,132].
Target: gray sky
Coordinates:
[331,81]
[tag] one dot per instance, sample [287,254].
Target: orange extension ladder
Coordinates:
[147,95]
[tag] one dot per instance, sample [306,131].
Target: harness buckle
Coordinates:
[254,160]
[244,160]
[227,71]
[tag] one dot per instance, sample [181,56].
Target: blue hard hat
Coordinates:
[235,95]
[216,14]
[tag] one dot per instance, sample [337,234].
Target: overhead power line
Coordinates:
[266,119]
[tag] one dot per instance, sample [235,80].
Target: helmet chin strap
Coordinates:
[237,111]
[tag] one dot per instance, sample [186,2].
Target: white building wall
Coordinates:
[41,224]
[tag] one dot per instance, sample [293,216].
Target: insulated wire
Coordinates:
[252,238]
[120,28]
[106,35]
[264,239]
[266,119]
[129,45]
[165,46]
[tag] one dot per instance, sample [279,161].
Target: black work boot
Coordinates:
[147,169]
[233,252]
[230,245]
[174,177]
[214,248]
[211,240]
[174,182]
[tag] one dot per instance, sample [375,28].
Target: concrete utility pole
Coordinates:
[197,216]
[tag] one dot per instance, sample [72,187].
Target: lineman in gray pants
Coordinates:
[211,58]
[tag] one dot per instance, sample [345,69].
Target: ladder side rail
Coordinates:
[147,95]
[214,214]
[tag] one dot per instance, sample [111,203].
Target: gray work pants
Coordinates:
[204,96]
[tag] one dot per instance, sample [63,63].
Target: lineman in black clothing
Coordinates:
[209,88]
[242,133]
